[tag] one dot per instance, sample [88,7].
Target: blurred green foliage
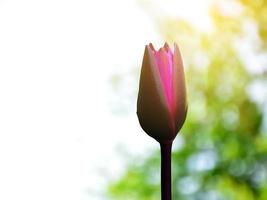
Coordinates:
[224,151]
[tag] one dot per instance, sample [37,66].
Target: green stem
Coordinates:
[166,180]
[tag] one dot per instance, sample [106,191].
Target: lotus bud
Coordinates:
[162,102]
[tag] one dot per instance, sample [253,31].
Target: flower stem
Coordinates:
[166,180]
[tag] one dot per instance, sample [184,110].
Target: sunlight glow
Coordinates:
[196,12]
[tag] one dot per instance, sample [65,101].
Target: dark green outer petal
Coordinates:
[179,89]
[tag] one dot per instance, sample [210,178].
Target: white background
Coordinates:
[58,137]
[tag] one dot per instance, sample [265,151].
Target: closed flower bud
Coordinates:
[162,102]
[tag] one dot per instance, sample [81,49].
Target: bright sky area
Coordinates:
[58,136]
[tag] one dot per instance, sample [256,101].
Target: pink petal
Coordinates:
[164,59]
